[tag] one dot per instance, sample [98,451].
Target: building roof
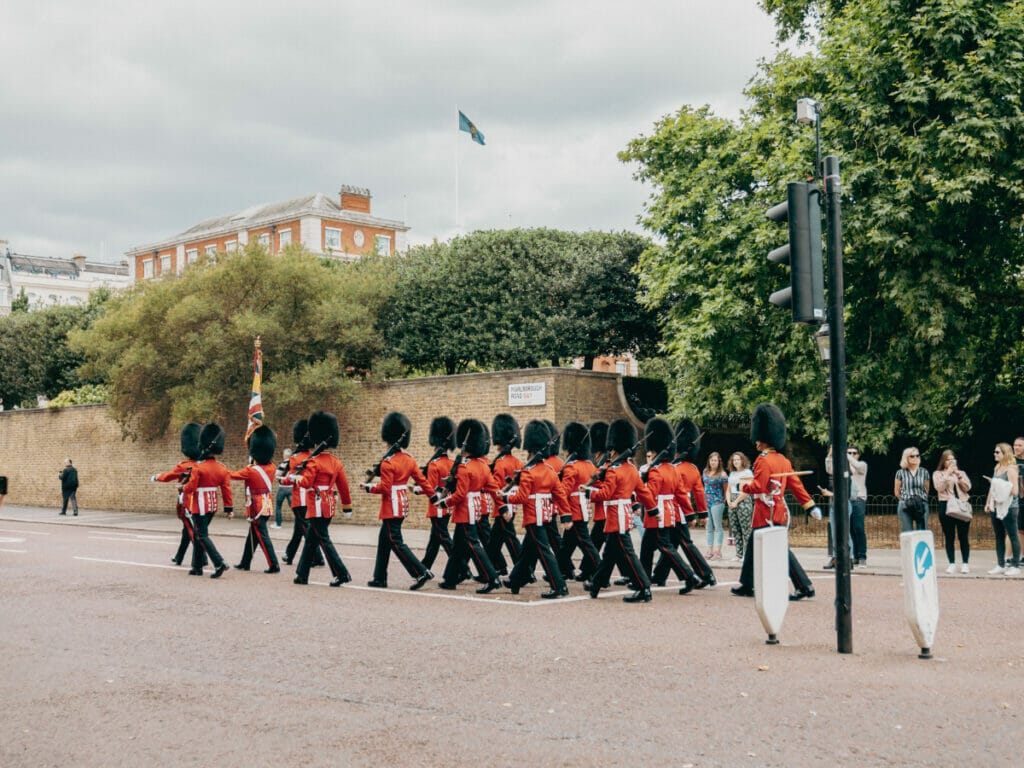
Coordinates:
[56,267]
[264,215]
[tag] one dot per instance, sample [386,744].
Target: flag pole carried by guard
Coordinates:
[256,398]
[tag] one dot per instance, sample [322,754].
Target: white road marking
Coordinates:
[19,551]
[162,543]
[11,540]
[24,533]
[126,562]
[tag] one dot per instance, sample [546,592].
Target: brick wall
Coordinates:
[114,473]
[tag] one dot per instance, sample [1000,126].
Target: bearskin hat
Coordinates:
[576,439]
[505,431]
[555,438]
[687,440]
[262,444]
[659,436]
[472,435]
[442,433]
[599,435]
[190,440]
[396,428]
[535,436]
[300,434]
[768,425]
[621,435]
[323,428]
[211,440]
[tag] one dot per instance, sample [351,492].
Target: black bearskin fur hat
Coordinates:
[472,435]
[442,433]
[262,443]
[323,427]
[536,436]
[576,439]
[599,435]
[621,435]
[687,440]
[553,430]
[211,440]
[658,435]
[768,425]
[190,440]
[505,431]
[396,428]
[300,434]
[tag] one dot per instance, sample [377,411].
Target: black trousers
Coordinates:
[299,526]
[390,540]
[69,496]
[503,533]
[598,538]
[660,540]
[618,550]
[439,539]
[797,574]
[577,537]
[203,544]
[466,546]
[951,529]
[258,536]
[318,538]
[680,537]
[537,547]
[554,537]
[187,537]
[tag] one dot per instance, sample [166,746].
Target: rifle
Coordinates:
[395,448]
[622,458]
[184,477]
[538,457]
[663,456]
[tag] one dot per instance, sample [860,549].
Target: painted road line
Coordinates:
[18,551]
[24,533]
[162,543]
[126,562]
[11,540]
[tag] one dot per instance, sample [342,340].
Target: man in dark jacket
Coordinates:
[68,487]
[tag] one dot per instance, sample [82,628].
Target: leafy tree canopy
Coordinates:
[180,348]
[922,103]
[517,298]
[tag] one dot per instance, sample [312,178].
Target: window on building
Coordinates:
[284,237]
[211,251]
[332,239]
[622,367]
[382,243]
[231,246]
[264,239]
[147,269]
[165,264]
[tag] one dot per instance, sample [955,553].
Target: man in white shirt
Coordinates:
[858,506]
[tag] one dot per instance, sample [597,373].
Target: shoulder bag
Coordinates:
[959,508]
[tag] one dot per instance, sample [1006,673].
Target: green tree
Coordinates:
[517,298]
[20,303]
[922,102]
[181,348]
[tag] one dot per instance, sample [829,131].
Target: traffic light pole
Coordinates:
[837,405]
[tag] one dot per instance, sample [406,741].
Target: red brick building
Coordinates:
[342,227]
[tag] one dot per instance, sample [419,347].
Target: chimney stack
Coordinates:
[355,199]
[79,260]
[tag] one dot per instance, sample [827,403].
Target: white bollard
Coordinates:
[920,587]
[771,579]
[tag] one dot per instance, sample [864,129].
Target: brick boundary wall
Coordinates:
[114,472]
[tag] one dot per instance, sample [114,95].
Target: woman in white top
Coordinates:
[1004,516]
[741,505]
[950,480]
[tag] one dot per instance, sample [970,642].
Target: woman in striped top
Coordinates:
[913,483]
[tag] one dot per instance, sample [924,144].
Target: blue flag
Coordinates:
[465,124]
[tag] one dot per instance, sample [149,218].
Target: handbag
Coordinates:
[915,508]
[958,508]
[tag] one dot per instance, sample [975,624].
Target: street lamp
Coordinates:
[808,112]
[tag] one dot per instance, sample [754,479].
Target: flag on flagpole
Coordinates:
[256,399]
[465,124]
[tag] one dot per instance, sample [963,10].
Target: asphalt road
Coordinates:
[110,656]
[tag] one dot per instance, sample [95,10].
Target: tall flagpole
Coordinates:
[457,169]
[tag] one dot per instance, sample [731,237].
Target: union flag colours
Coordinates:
[256,399]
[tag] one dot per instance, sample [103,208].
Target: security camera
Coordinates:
[806,111]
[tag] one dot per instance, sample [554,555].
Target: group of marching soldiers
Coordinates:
[594,493]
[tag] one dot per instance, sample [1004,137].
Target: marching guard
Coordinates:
[300,434]
[259,494]
[505,434]
[442,440]
[576,472]
[598,438]
[208,477]
[179,475]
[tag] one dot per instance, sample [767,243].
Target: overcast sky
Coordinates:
[125,122]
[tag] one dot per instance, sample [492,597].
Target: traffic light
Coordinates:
[806,294]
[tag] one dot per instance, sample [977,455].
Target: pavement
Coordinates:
[884,562]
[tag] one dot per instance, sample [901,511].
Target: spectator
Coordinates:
[284,492]
[858,505]
[715,480]
[1018,454]
[949,479]
[69,487]
[3,486]
[913,484]
[830,493]
[741,505]
[1002,503]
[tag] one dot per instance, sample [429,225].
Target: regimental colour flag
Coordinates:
[256,399]
[465,124]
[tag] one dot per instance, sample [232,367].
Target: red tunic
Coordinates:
[617,489]
[298,494]
[540,493]
[473,482]
[505,468]
[690,494]
[179,471]
[325,473]
[208,476]
[395,472]
[258,489]
[768,492]
[663,483]
[555,462]
[574,474]
[437,471]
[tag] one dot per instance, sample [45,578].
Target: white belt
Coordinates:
[584,504]
[317,506]
[623,512]
[201,496]
[398,492]
[663,500]
[473,505]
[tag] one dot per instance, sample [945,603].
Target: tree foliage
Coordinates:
[35,358]
[181,348]
[922,103]
[517,298]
